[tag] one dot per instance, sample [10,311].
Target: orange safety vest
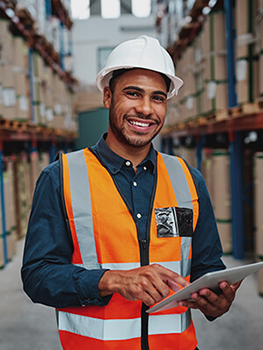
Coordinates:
[105,235]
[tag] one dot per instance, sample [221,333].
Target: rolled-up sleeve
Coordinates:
[48,276]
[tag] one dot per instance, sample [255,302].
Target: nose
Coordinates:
[144,106]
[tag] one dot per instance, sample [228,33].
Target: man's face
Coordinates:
[137,107]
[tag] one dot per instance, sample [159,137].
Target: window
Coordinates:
[141,8]
[110,9]
[80,9]
[103,54]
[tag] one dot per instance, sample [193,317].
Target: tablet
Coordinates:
[210,280]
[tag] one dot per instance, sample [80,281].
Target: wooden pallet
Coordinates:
[247,108]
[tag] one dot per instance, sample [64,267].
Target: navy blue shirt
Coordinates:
[48,275]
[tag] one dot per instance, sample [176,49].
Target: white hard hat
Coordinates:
[143,52]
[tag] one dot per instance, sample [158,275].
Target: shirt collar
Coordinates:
[114,162]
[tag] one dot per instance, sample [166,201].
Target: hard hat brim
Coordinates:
[104,76]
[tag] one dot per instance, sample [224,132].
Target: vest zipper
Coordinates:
[144,250]
[144,316]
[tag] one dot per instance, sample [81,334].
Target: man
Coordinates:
[115,228]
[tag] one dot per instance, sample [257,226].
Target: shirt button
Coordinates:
[139,215]
[144,168]
[135,184]
[128,163]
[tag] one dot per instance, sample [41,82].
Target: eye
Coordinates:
[132,93]
[159,98]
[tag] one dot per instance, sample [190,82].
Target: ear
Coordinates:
[107,95]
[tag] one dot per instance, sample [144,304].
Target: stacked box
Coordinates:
[173,115]
[247,59]
[23,192]
[39,89]
[48,95]
[207,169]
[186,99]
[213,42]
[6,71]
[222,197]
[59,103]
[203,67]
[21,81]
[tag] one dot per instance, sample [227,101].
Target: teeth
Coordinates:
[139,124]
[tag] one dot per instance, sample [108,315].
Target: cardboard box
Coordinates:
[218,29]
[207,169]
[7,76]
[20,54]
[23,108]
[247,86]
[6,40]
[221,187]
[215,97]
[21,83]
[225,234]
[59,122]
[242,16]
[215,67]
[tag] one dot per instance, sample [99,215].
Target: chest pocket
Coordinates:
[174,222]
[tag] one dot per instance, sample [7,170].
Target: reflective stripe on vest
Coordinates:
[109,330]
[89,193]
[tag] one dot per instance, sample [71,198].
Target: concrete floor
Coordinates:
[27,326]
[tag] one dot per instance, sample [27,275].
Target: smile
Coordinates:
[141,124]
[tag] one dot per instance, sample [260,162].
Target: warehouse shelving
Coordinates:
[233,122]
[20,137]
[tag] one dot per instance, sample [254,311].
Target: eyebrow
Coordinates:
[142,90]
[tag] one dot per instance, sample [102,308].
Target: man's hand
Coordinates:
[147,283]
[210,303]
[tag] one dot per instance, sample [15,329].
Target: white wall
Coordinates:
[95,32]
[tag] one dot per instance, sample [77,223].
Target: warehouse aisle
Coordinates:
[26,326]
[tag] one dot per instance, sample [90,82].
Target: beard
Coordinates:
[138,140]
